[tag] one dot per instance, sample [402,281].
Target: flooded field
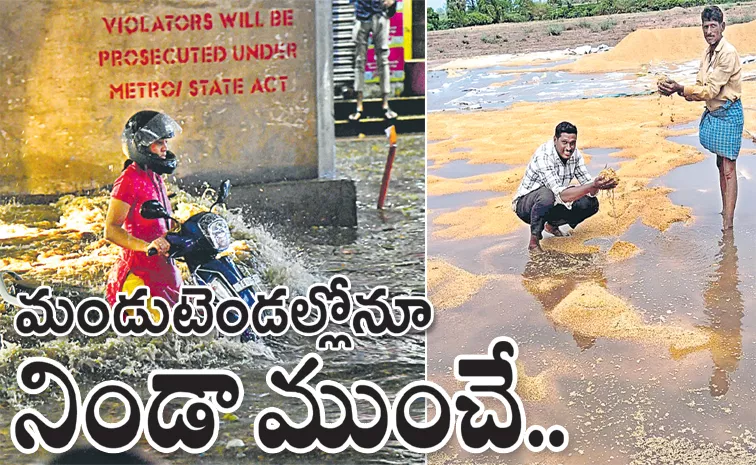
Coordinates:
[637,332]
[500,87]
[60,244]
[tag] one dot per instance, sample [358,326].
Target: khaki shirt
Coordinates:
[718,77]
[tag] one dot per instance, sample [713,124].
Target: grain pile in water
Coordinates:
[622,250]
[591,310]
[449,286]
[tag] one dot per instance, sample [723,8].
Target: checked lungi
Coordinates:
[721,130]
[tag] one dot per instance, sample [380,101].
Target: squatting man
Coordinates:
[545,199]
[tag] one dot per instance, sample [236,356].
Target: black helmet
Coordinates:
[141,130]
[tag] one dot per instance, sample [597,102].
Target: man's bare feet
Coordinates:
[535,244]
[553,230]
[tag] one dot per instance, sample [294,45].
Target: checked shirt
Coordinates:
[546,169]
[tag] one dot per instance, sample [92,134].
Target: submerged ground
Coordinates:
[60,244]
[635,333]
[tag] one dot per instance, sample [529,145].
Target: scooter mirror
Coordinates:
[153,210]
[223,192]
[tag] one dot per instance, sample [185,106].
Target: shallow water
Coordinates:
[462,168]
[453,201]
[478,89]
[498,87]
[386,248]
[623,399]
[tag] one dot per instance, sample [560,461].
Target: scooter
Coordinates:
[198,242]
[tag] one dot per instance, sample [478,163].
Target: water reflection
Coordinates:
[724,310]
[551,276]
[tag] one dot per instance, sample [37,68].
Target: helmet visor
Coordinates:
[159,127]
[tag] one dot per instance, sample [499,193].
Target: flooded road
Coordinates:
[60,244]
[644,358]
[388,247]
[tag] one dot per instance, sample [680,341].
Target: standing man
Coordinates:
[545,199]
[718,84]
[372,16]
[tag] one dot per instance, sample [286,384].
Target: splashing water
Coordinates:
[69,253]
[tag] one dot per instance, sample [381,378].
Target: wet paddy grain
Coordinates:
[638,327]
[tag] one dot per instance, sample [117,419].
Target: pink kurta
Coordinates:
[135,186]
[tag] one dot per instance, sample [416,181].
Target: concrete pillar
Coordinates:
[249,81]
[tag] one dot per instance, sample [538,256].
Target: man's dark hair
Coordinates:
[564,126]
[712,13]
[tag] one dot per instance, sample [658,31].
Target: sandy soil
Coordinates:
[534,36]
[680,45]
[569,282]
[640,134]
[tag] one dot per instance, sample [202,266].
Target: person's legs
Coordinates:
[582,209]
[532,208]
[361,32]
[720,132]
[722,182]
[381,30]
[730,176]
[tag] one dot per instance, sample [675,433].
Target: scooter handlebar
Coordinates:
[178,245]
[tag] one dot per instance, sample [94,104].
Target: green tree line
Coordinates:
[461,13]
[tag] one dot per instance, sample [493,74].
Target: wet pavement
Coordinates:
[623,400]
[387,248]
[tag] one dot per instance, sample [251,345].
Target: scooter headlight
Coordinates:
[216,231]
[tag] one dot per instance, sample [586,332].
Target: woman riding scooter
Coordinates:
[145,143]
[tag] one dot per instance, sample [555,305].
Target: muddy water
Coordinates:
[385,249]
[624,397]
[388,247]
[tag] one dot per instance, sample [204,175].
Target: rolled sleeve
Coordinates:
[558,198]
[719,76]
